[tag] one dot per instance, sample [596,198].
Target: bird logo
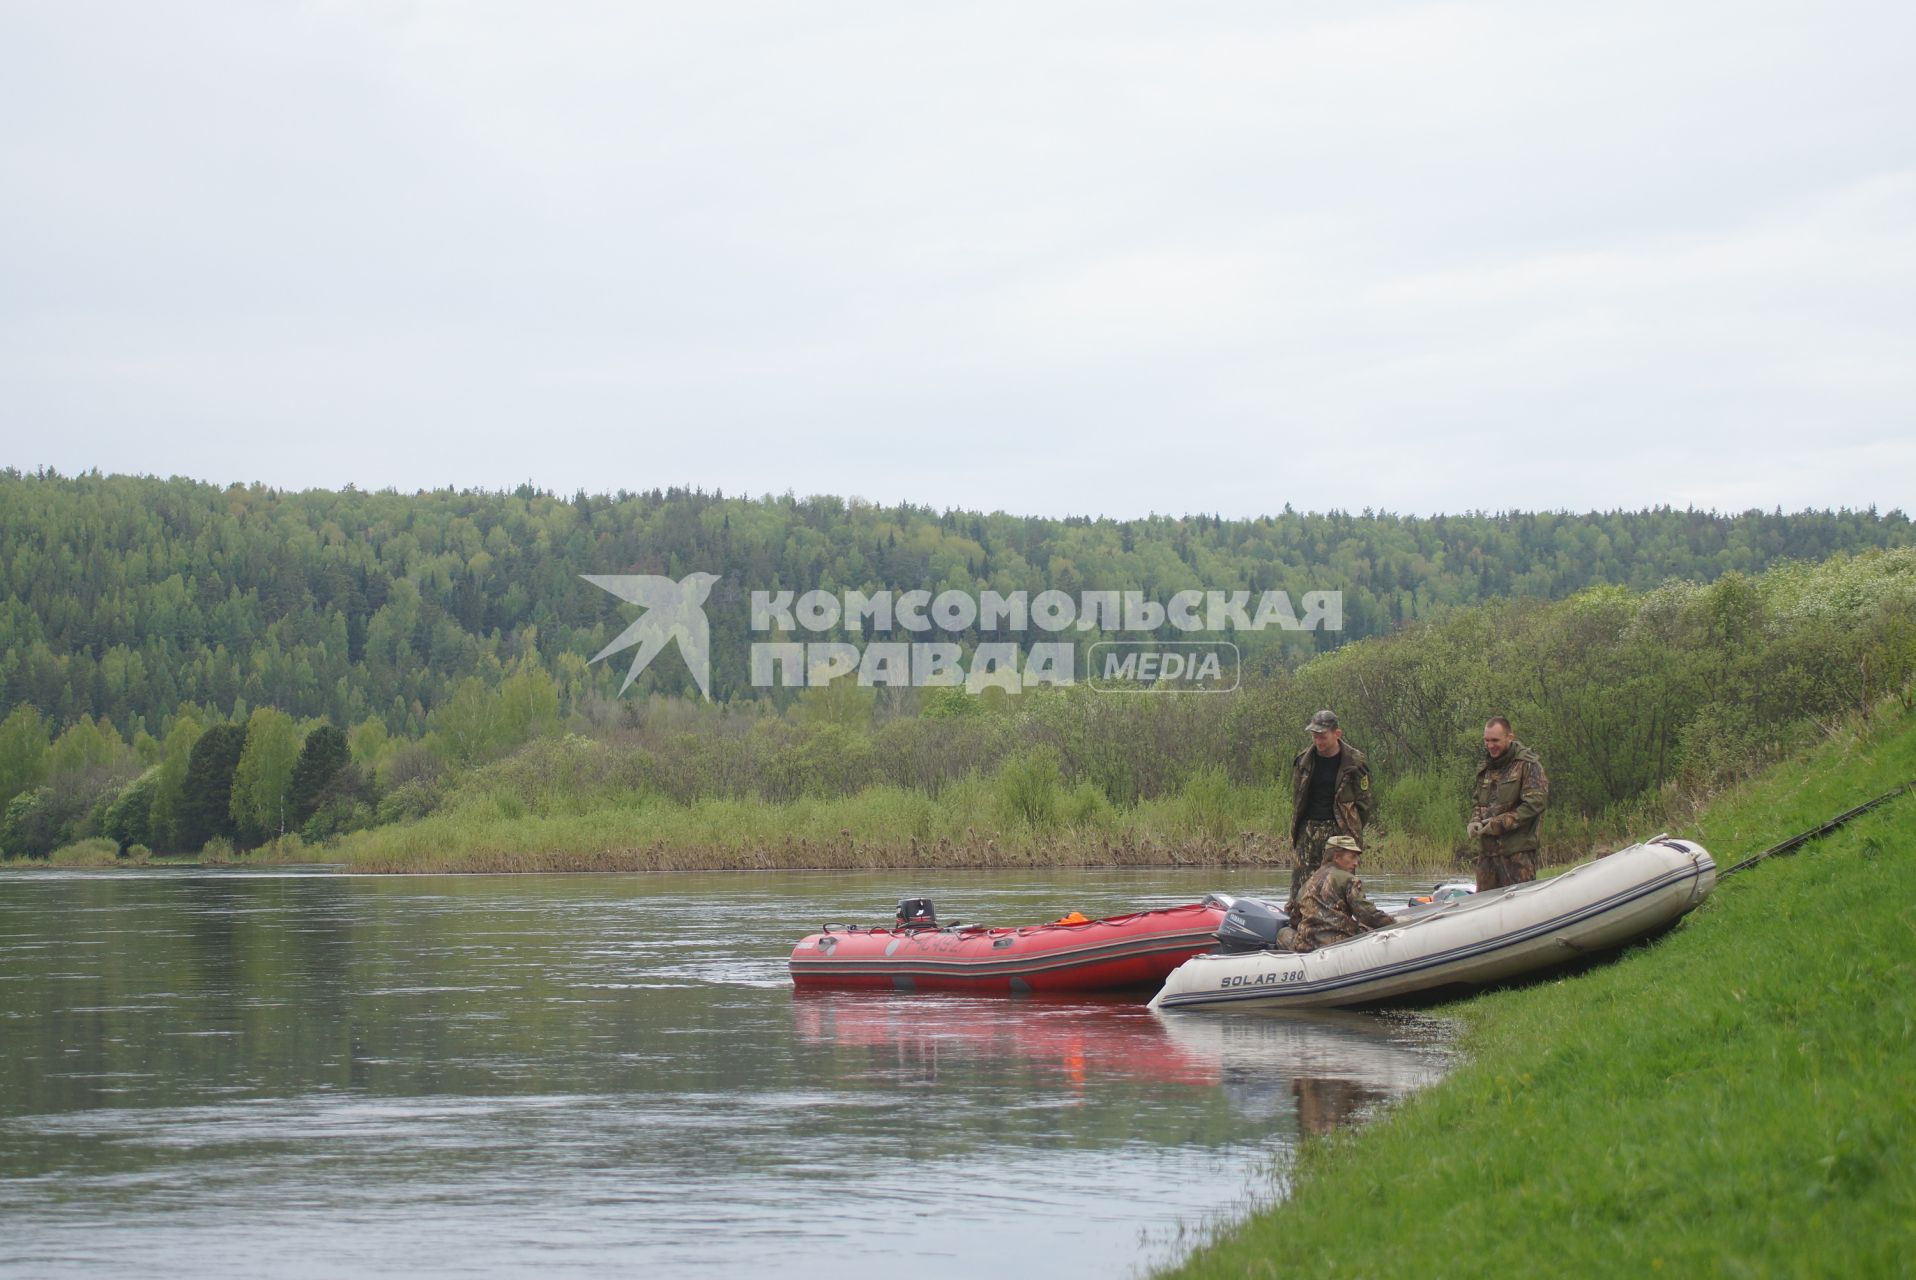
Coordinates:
[673,611]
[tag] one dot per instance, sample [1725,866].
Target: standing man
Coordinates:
[1333,907]
[1330,796]
[1505,808]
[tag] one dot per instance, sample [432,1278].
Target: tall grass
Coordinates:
[1732,1100]
[521,816]
[979,823]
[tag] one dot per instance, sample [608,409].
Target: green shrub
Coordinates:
[125,817]
[1722,741]
[828,759]
[1427,808]
[94,851]
[1086,805]
[335,818]
[409,801]
[1205,800]
[286,848]
[1029,786]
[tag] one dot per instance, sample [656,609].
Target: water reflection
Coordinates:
[1077,1042]
[1332,1064]
[1324,1105]
[1318,1071]
[496,1075]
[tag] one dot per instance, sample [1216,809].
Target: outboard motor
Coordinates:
[1250,925]
[916,913]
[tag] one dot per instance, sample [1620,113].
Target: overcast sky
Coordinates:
[1047,257]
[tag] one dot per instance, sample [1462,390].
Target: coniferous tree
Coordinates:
[321,758]
[206,801]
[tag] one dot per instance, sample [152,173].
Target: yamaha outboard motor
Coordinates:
[1250,925]
[916,913]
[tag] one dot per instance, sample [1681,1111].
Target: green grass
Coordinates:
[1732,1100]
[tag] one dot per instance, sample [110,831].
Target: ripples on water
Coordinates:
[229,1073]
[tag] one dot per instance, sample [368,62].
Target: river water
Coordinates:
[231,1073]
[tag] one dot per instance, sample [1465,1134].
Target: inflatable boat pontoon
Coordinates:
[1468,941]
[1074,954]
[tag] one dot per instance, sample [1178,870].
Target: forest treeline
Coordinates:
[1633,697]
[128,596]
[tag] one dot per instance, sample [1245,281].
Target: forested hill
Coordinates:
[126,596]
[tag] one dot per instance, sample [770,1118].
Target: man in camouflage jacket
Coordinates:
[1506,804]
[1332,906]
[1327,799]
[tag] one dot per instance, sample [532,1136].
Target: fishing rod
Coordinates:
[1797,841]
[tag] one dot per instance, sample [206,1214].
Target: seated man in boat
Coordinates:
[1332,906]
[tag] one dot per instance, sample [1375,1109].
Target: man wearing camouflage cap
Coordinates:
[1332,906]
[1330,796]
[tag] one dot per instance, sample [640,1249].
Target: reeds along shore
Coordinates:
[849,836]
[964,828]
[845,853]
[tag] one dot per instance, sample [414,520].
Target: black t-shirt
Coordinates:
[1317,808]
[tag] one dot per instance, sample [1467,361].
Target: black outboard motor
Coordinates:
[1251,924]
[916,913]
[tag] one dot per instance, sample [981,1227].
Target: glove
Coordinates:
[1475,829]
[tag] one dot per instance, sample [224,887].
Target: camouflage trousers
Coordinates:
[1308,850]
[1495,870]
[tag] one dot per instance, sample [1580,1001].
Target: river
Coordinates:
[230,1073]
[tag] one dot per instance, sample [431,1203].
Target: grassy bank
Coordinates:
[1732,1100]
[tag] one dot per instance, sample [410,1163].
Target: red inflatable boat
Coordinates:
[1073,954]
